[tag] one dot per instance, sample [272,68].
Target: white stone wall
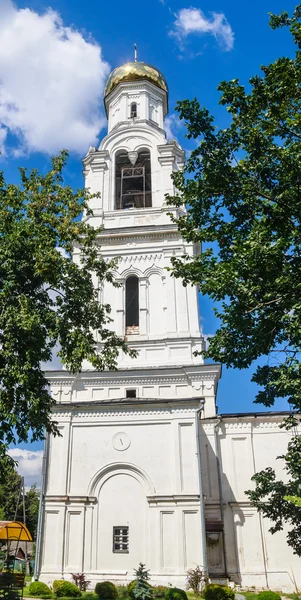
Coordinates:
[151,486]
[246,445]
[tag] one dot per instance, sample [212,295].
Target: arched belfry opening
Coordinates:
[132,304]
[133,180]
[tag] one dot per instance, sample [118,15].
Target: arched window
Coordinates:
[133,181]
[133,110]
[132,304]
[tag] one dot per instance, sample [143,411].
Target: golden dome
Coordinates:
[133,71]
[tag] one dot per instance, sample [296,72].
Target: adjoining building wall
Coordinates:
[243,446]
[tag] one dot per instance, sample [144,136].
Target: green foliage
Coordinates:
[64,589]
[244,207]
[242,186]
[130,588]
[294,499]
[38,588]
[106,590]
[159,591]
[10,500]
[141,589]
[218,592]
[270,495]
[175,594]
[56,584]
[122,592]
[141,573]
[46,298]
[194,579]
[268,595]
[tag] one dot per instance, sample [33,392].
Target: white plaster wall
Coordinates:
[152,486]
[245,446]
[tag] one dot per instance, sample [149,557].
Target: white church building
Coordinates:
[145,469]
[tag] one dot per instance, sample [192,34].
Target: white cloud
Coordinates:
[193,21]
[3,135]
[29,464]
[172,124]
[51,82]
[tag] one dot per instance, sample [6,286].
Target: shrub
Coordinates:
[194,579]
[268,595]
[64,589]
[38,588]
[122,592]
[159,591]
[175,594]
[80,581]
[218,592]
[56,584]
[106,590]
[139,589]
[131,587]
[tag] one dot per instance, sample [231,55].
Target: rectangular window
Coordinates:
[131,393]
[121,539]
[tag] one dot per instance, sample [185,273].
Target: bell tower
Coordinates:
[132,169]
[123,481]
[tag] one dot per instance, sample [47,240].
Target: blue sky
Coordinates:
[56,55]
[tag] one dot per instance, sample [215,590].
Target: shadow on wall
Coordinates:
[238,542]
[226,505]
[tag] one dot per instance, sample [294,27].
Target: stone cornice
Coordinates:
[138,375]
[91,412]
[72,499]
[173,499]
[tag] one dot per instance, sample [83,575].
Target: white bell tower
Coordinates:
[132,170]
[123,482]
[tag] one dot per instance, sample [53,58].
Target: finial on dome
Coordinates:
[135,52]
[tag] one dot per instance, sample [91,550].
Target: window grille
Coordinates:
[133,110]
[121,539]
[132,304]
[133,182]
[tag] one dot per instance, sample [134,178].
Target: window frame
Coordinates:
[132,110]
[133,182]
[121,527]
[129,301]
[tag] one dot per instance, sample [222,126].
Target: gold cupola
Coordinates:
[135,71]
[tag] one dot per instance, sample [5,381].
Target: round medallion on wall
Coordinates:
[121,441]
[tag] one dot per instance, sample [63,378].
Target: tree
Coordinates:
[10,501]
[242,186]
[32,501]
[278,500]
[11,498]
[47,299]
[142,590]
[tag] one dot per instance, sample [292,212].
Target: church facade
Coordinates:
[145,470]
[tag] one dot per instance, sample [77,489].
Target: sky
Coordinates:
[54,60]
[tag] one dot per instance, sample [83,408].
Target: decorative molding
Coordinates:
[94,413]
[270,424]
[120,468]
[173,499]
[72,499]
[140,257]
[135,380]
